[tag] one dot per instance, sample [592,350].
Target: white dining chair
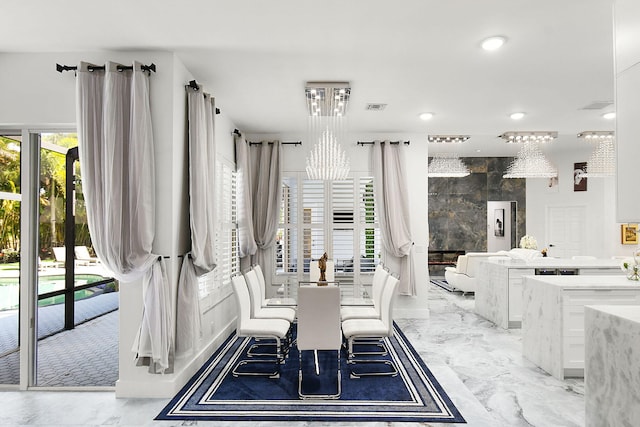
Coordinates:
[377,285]
[358,329]
[258,308]
[275,329]
[318,330]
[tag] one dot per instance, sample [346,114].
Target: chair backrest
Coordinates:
[243,300]
[314,271]
[461,264]
[253,283]
[388,297]
[59,253]
[319,318]
[82,253]
[263,283]
[377,285]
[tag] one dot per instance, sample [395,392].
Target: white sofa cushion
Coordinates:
[463,277]
[522,254]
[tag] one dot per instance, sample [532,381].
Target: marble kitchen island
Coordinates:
[553,317]
[498,295]
[612,365]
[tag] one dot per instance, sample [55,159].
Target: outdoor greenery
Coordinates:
[52,197]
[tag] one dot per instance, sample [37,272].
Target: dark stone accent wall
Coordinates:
[458,206]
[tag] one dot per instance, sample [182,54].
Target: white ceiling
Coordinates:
[414,55]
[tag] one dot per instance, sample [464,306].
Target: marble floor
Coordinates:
[480,366]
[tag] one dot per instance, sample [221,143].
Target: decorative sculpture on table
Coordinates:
[322,266]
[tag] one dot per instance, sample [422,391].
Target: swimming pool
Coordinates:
[9,289]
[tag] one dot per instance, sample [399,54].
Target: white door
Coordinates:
[566,230]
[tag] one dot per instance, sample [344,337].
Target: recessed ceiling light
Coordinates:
[493,43]
[609,116]
[426,116]
[516,116]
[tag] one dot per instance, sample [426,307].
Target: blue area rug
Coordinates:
[414,395]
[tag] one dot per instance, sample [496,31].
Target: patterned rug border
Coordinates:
[318,410]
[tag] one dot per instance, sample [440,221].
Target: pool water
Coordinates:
[9,289]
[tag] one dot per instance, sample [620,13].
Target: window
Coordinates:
[216,285]
[337,217]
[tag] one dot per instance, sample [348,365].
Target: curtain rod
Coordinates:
[237,132]
[281,142]
[363,143]
[196,87]
[61,68]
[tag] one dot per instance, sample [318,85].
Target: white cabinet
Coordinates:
[574,302]
[515,295]
[499,283]
[627,149]
[553,321]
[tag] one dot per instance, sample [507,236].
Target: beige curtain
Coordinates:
[201,259]
[115,141]
[390,190]
[260,183]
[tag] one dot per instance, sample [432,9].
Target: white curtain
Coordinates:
[116,153]
[259,180]
[247,243]
[390,189]
[201,260]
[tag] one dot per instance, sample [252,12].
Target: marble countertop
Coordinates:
[627,312]
[544,262]
[587,282]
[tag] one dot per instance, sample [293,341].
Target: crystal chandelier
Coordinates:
[603,158]
[327,107]
[327,160]
[447,165]
[530,162]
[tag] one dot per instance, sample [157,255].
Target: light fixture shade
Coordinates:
[602,162]
[537,136]
[448,138]
[530,163]
[327,107]
[447,165]
[327,98]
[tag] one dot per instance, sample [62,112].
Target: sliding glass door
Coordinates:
[73,286]
[58,304]
[10,201]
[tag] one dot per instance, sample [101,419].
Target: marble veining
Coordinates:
[542,326]
[492,294]
[479,365]
[612,365]
[553,316]
[499,283]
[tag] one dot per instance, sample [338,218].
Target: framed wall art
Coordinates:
[498,222]
[579,177]
[629,234]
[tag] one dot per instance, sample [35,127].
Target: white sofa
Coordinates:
[462,277]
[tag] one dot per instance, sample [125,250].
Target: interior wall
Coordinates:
[34,95]
[458,206]
[602,231]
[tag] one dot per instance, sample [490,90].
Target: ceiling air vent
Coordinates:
[376,107]
[597,105]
